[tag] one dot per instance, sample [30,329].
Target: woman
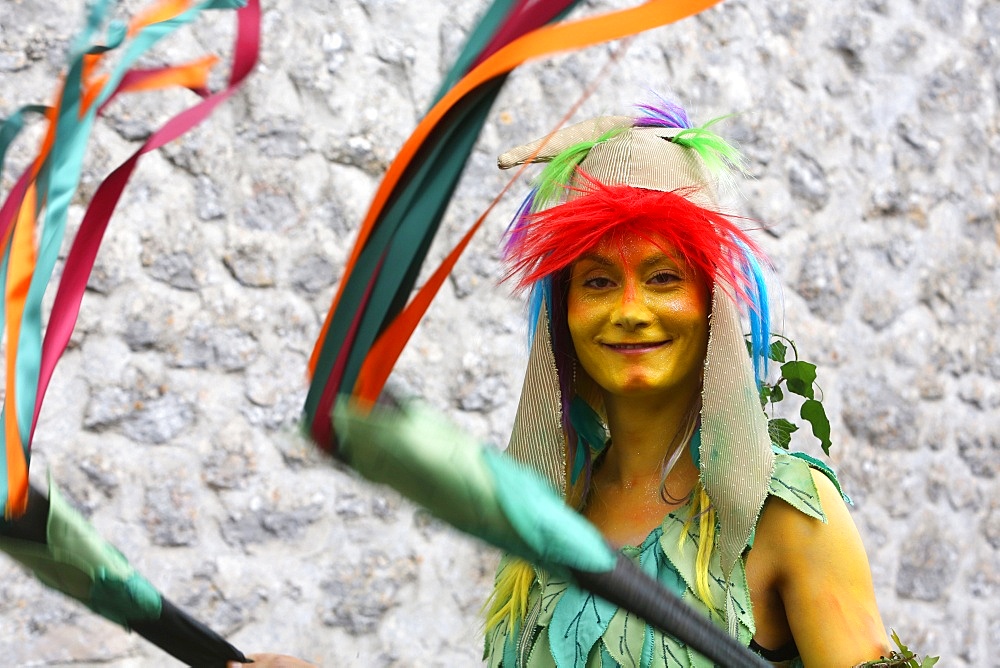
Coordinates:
[640,403]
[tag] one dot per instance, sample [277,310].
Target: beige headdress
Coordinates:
[736,457]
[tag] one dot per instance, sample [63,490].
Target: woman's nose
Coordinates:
[630,312]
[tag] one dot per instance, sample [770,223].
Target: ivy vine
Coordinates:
[901,657]
[797,377]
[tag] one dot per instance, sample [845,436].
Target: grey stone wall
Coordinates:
[873,134]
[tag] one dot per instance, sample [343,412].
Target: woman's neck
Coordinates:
[644,433]
[628,496]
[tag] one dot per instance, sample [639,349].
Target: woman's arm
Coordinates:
[825,584]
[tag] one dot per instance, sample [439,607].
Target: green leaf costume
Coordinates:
[569,628]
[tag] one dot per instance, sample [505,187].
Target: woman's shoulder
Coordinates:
[806,519]
[806,512]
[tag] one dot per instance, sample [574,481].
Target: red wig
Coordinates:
[546,242]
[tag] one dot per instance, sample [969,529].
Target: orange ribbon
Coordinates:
[19,271]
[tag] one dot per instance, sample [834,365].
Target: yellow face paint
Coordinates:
[638,318]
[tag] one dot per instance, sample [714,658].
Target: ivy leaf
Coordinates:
[800,376]
[899,643]
[765,391]
[780,430]
[813,412]
[777,352]
[776,394]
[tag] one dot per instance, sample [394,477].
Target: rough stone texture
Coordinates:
[927,565]
[873,136]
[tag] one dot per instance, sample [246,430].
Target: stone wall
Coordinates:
[873,134]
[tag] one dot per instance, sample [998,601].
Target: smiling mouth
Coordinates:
[635,347]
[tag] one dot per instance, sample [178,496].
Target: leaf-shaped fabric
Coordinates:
[578,621]
[626,640]
[668,652]
[793,483]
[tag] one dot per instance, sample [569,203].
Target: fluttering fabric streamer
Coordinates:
[37,205]
[362,337]
[370,321]
[43,532]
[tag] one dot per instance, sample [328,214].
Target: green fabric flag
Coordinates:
[79,563]
[471,486]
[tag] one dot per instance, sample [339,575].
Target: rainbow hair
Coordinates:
[724,251]
[550,241]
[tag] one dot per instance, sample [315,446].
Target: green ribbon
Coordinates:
[473,487]
[79,563]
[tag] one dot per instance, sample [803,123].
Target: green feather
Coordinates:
[719,156]
[552,182]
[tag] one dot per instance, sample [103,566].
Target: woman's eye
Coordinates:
[663,277]
[599,282]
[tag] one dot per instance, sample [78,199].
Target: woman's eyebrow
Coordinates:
[597,259]
[660,258]
[652,260]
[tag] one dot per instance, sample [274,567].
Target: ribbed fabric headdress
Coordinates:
[573,205]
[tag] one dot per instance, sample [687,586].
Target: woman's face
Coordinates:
[638,319]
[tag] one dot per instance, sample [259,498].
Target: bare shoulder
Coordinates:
[791,531]
[793,539]
[824,579]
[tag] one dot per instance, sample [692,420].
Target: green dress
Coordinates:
[567,627]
